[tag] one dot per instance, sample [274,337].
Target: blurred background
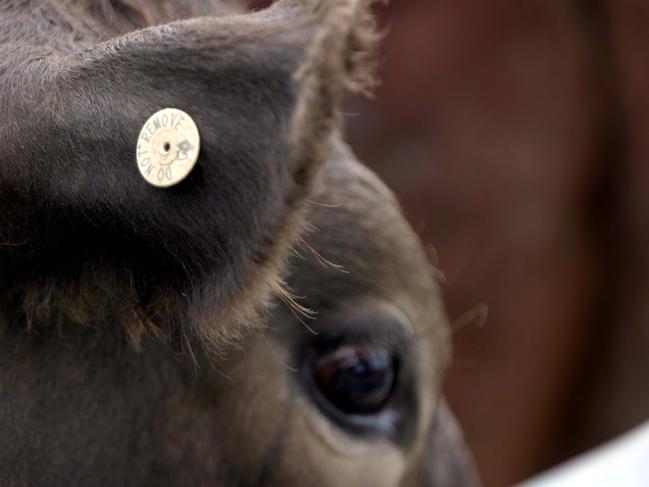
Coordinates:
[516,135]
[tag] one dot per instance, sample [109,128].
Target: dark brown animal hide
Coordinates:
[121,303]
[83,237]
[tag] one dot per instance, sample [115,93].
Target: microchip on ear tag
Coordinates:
[167,147]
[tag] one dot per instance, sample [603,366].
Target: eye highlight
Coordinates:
[359,371]
[355,380]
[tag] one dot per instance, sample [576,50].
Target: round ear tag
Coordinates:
[167,147]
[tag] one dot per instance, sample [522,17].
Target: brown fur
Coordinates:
[336,60]
[95,262]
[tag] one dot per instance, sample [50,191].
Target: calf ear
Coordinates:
[84,236]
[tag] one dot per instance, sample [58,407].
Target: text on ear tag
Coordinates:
[167,147]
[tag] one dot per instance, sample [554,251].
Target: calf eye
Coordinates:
[355,380]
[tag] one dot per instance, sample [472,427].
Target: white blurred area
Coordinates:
[624,462]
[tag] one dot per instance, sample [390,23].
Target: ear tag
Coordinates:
[167,147]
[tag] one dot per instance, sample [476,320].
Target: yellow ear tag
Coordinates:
[167,147]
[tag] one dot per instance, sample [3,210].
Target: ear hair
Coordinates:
[338,59]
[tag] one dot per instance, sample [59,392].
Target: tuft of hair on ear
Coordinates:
[340,59]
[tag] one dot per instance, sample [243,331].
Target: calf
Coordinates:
[269,320]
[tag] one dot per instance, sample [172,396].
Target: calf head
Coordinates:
[271,320]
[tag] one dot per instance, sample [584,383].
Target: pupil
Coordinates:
[355,380]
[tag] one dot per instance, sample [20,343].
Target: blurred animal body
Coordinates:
[271,320]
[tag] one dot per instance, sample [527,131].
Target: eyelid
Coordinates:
[363,335]
[391,319]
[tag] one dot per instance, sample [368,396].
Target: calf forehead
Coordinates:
[366,249]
